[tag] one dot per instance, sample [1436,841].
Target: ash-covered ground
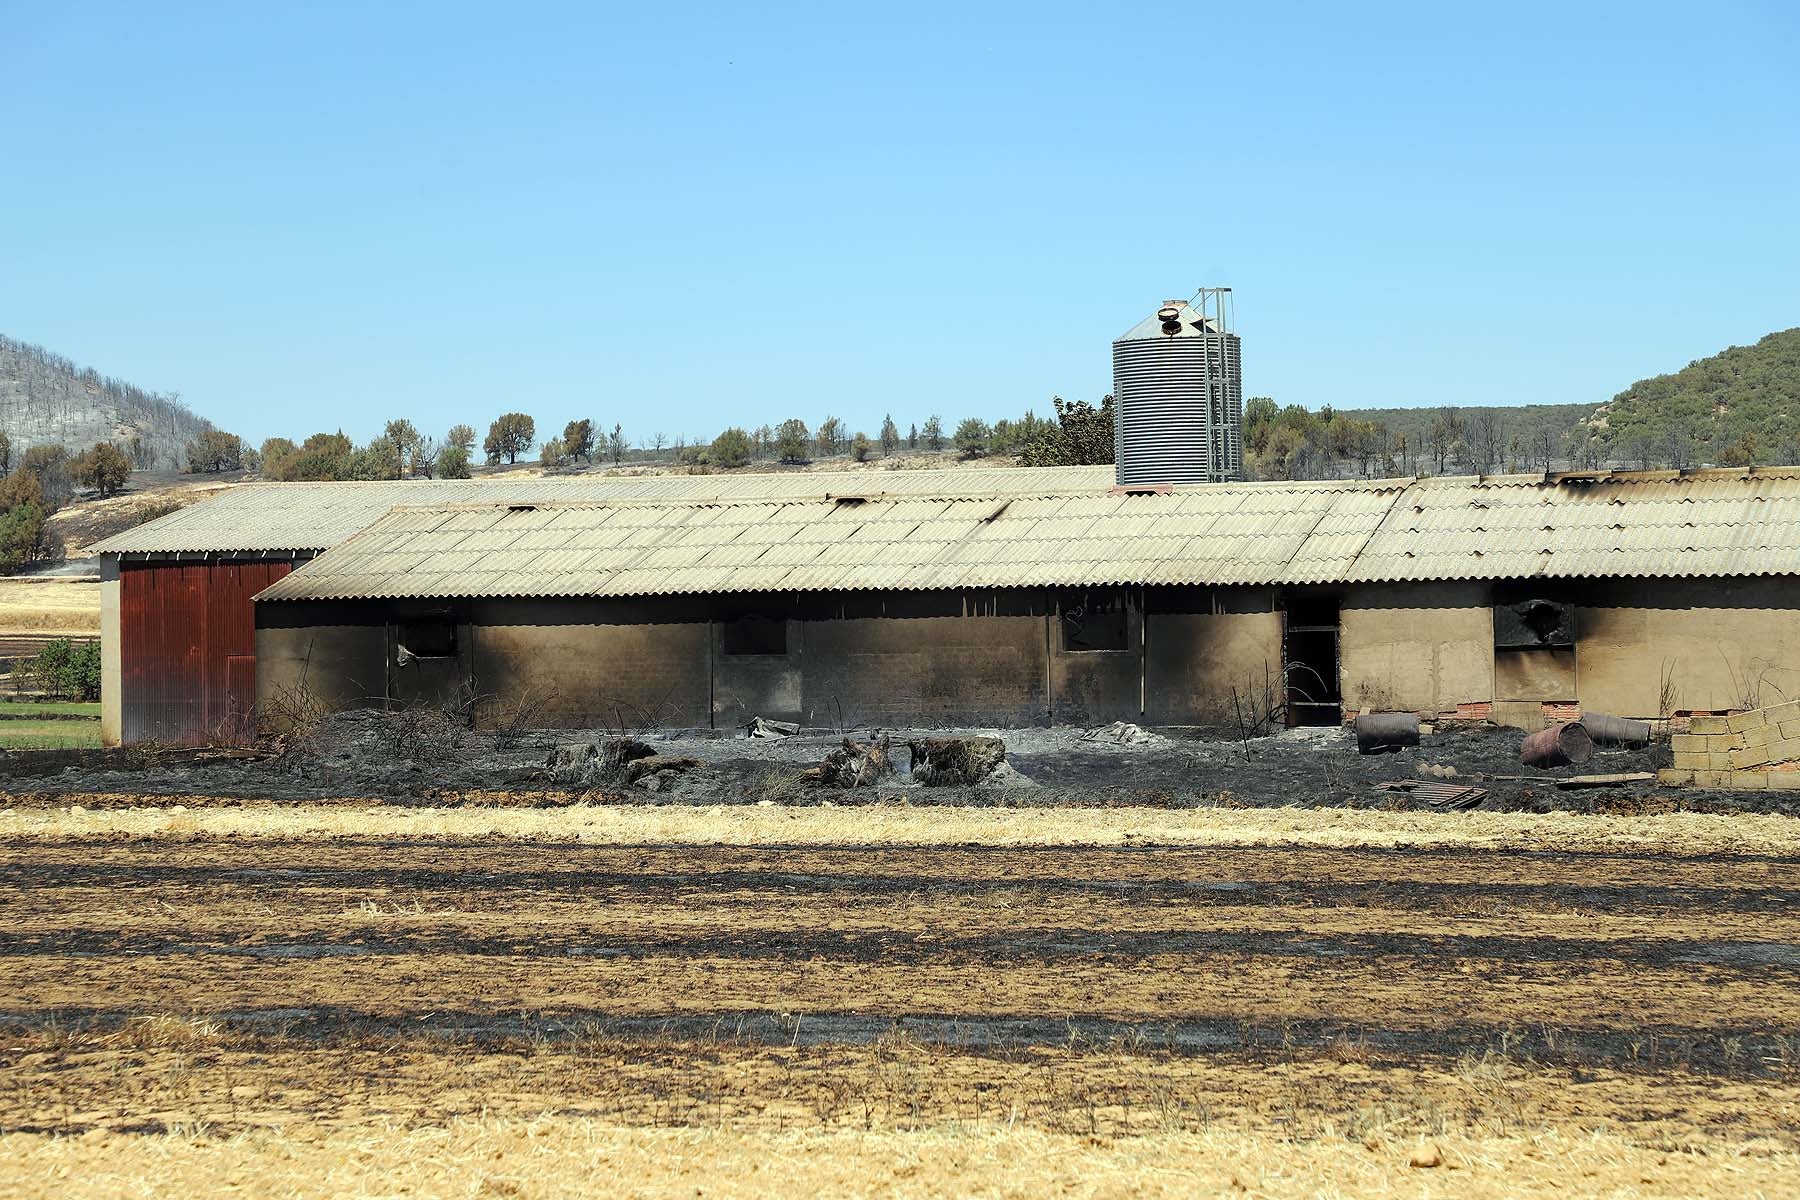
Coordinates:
[391,758]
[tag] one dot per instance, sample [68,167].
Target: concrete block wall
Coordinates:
[1753,750]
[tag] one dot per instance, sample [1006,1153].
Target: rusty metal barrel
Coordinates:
[1558,746]
[1608,730]
[1386,733]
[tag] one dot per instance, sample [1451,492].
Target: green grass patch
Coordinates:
[49,735]
[50,708]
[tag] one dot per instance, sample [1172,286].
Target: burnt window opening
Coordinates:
[1315,613]
[429,637]
[1094,622]
[753,635]
[1534,622]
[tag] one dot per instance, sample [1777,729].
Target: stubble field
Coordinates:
[346,1000]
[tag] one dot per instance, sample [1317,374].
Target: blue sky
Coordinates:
[680,217]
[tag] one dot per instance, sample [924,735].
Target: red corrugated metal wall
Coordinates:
[187,637]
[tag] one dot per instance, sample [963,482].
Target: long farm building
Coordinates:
[981,597]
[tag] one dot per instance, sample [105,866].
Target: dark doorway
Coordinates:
[1310,662]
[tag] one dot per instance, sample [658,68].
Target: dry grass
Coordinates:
[1410,1028]
[551,1157]
[85,522]
[101,816]
[56,604]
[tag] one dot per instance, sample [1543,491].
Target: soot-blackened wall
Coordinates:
[1210,653]
[974,658]
[999,657]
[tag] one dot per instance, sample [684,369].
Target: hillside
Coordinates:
[46,398]
[1738,407]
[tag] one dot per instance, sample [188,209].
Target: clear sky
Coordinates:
[682,216]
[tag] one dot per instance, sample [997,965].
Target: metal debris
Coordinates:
[1444,797]
[1386,732]
[1608,730]
[1558,746]
[1596,781]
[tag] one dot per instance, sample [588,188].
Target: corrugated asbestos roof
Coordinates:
[1711,524]
[313,516]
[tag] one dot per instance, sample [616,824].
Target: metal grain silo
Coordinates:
[1178,395]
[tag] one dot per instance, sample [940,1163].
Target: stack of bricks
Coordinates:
[1747,751]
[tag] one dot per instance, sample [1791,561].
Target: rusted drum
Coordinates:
[1608,730]
[1558,746]
[1386,733]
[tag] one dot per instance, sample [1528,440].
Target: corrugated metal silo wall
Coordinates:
[187,634]
[1165,429]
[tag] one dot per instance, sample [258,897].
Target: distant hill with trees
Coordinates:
[45,399]
[60,423]
[1740,407]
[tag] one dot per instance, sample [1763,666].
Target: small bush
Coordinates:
[69,670]
[731,448]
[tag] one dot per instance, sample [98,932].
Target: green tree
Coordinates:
[791,440]
[1741,452]
[1001,436]
[214,451]
[323,456]
[275,452]
[511,435]
[890,435]
[462,436]
[380,459]
[1260,415]
[69,670]
[21,521]
[731,448]
[972,437]
[861,447]
[554,453]
[1081,437]
[404,437]
[831,432]
[615,442]
[453,462]
[103,469]
[578,438]
[933,433]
